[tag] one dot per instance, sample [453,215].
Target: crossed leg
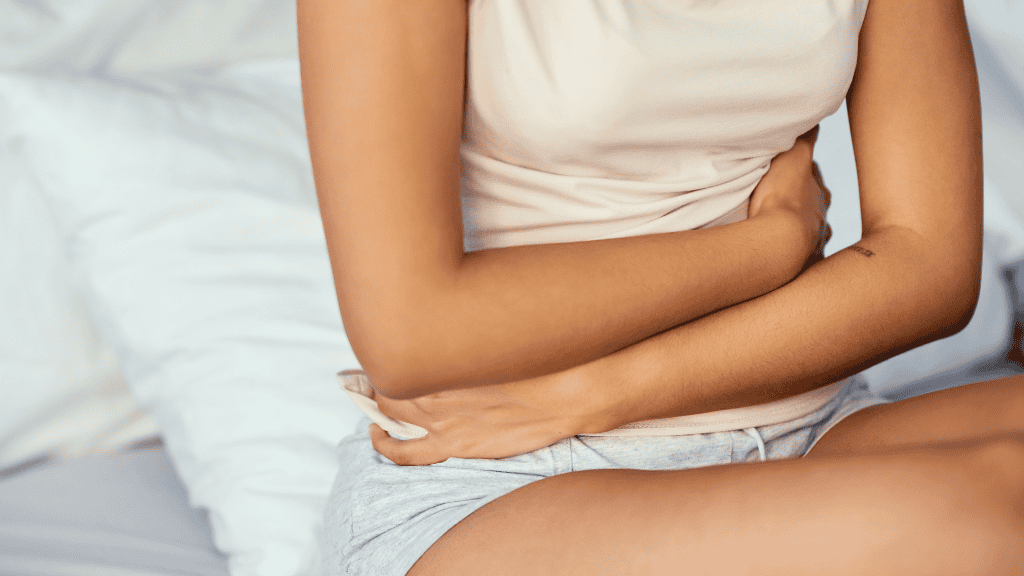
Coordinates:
[970,411]
[930,485]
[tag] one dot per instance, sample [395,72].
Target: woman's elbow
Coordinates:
[960,300]
[962,310]
[388,367]
[399,363]
[393,334]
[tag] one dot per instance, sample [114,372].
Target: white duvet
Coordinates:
[159,234]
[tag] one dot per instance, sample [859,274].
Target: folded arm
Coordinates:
[914,276]
[384,87]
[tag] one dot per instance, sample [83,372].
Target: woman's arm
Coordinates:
[383,85]
[913,278]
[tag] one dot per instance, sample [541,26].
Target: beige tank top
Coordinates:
[590,119]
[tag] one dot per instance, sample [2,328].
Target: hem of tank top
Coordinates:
[356,383]
[737,214]
[755,416]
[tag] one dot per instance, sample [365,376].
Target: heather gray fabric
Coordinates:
[125,514]
[382,517]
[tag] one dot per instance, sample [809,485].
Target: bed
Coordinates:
[169,333]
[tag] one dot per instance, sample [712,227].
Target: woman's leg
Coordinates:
[894,505]
[973,410]
[936,510]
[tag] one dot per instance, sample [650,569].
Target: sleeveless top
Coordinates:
[590,119]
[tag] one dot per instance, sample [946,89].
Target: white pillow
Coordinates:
[131,37]
[62,388]
[997,32]
[999,26]
[195,240]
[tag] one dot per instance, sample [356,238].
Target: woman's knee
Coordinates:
[988,501]
[970,498]
[996,467]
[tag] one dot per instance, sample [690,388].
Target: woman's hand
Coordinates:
[793,184]
[495,421]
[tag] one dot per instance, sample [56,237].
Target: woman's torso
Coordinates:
[590,119]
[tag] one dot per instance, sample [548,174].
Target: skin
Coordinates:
[931,485]
[422,315]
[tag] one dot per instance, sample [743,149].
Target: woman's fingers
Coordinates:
[404,452]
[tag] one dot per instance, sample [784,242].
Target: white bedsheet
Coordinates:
[116,515]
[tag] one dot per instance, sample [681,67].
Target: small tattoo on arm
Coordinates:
[863,251]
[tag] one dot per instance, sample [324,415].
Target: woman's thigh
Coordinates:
[920,510]
[972,410]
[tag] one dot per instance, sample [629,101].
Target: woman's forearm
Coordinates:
[888,293]
[915,119]
[513,313]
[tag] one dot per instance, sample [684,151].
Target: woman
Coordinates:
[577,395]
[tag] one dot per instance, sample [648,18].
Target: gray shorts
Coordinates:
[382,517]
